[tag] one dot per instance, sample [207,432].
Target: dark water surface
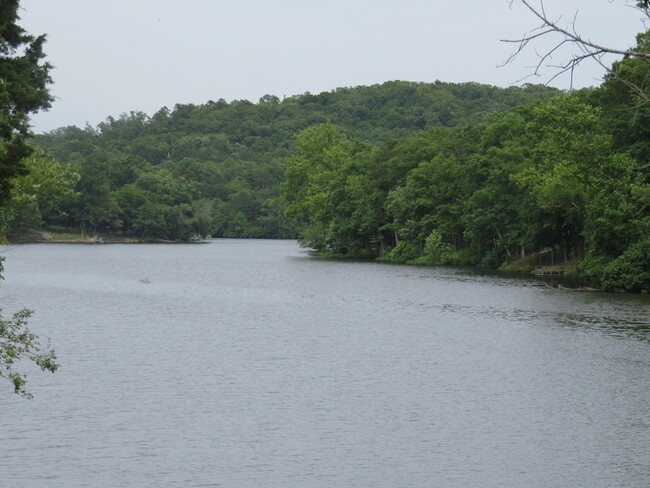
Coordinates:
[250,364]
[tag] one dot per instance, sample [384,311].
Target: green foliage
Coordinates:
[236,153]
[628,272]
[326,185]
[23,91]
[404,252]
[405,172]
[430,199]
[18,343]
[539,178]
[436,250]
[624,104]
[40,194]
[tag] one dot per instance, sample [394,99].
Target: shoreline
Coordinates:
[62,237]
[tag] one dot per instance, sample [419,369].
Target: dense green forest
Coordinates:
[566,179]
[216,169]
[435,173]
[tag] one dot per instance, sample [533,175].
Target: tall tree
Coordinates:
[323,187]
[24,79]
[39,194]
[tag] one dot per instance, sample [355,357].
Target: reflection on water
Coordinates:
[248,363]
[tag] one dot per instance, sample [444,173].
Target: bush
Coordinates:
[436,250]
[630,271]
[402,253]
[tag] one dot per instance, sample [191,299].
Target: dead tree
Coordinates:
[583,49]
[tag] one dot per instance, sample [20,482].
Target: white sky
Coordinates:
[116,56]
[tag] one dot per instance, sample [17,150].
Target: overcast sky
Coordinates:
[117,56]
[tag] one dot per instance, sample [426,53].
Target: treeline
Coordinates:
[567,179]
[217,168]
[405,172]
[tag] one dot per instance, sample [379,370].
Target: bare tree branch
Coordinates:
[570,37]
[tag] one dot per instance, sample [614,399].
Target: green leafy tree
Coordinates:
[431,200]
[97,208]
[630,271]
[23,90]
[41,194]
[436,250]
[162,206]
[130,200]
[503,219]
[569,165]
[311,172]
[323,187]
[24,78]
[237,226]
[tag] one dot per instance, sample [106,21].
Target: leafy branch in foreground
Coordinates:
[17,343]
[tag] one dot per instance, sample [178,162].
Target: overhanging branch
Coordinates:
[570,37]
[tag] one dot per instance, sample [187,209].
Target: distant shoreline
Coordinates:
[57,237]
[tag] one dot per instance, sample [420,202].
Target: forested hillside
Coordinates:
[216,168]
[566,179]
[406,172]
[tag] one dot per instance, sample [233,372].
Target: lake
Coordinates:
[248,363]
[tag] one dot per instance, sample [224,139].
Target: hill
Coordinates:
[216,168]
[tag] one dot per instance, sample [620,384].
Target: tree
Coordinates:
[39,195]
[570,151]
[323,186]
[428,202]
[584,48]
[497,216]
[624,105]
[320,153]
[24,80]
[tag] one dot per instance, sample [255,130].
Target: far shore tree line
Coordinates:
[432,173]
[218,168]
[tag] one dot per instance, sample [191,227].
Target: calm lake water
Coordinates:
[251,364]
